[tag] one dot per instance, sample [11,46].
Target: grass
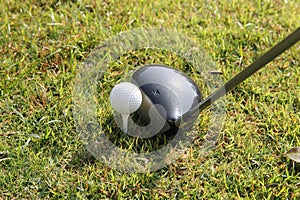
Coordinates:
[41,154]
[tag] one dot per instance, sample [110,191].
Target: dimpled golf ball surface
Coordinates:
[125,98]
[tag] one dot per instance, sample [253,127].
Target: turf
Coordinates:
[41,154]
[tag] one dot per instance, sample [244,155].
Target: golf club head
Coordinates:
[174,91]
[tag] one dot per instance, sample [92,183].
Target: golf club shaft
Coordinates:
[285,44]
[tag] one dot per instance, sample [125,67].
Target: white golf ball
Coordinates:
[125,98]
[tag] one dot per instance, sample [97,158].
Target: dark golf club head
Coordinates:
[186,118]
[172,89]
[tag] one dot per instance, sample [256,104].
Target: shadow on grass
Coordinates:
[135,144]
[292,167]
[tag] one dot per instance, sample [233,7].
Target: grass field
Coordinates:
[41,154]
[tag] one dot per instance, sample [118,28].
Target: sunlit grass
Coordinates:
[41,154]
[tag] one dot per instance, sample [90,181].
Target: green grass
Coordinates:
[41,154]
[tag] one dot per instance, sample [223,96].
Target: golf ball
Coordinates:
[125,98]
